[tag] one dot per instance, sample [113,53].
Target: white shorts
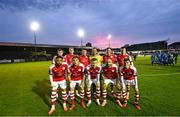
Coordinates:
[95,81]
[107,81]
[61,84]
[131,82]
[75,82]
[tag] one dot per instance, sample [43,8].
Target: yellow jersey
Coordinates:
[98,57]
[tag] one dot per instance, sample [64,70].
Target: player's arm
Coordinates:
[117,78]
[83,75]
[135,77]
[51,75]
[130,58]
[88,74]
[101,72]
[53,61]
[68,75]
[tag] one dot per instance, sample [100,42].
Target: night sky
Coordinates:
[129,21]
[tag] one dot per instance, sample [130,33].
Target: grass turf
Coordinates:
[25,90]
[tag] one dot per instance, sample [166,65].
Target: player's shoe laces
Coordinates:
[64,107]
[137,106]
[89,103]
[104,103]
[51,111]
[98,103]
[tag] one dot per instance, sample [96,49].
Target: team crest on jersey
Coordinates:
[113,70]
[63,68]
[79,70]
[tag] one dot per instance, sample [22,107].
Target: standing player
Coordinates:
[76,77]
[110,75]
[84,58]
[111,56]
[121,56]
[69,56]
[93,77]
[129,78]
[58,76]
[97,56]
[59,53]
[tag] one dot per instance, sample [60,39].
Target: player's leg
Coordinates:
[118,94]
[136,96]
[53,98]
[81,84]
[124,95]
[105,84]
[76,91]
[98,93]
[64,94]
[88,92]
[72,86]
[128,90]
[112,90]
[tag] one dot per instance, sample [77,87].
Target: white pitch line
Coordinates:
[159,74]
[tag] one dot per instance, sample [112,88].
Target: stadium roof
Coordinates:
[40,45]
[175,43]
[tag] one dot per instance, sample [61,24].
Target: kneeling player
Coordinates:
[110,75]
[93,77]
[128,75]
[76,77]
[58,75]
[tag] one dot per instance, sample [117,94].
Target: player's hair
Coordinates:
[59,50]
[59,57]
[126,59]
[108,48]
[84,50]
[76,56]
[71,48]
[93,59]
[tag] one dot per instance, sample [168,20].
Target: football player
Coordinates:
[58,77]
[76,78]
[110,75]
[93,77]
[128,76]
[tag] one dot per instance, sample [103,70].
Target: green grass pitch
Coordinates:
[25,90]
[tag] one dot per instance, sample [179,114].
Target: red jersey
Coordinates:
[58,72]
[76,72]
[68,58]
[110,72]
[106,57]
[84,60]
[120,59]
[93,72]
[128,74]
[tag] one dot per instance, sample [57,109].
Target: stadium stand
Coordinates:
[20,52]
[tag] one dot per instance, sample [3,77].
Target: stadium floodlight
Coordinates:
[109,39]
[34,27]
[80,34]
